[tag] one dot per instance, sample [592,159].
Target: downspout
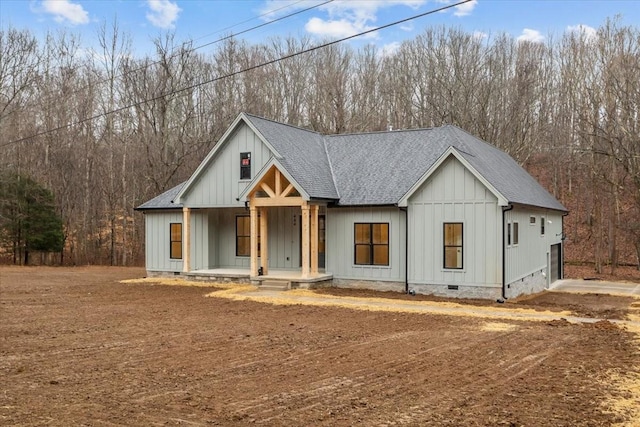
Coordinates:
[406,249]
[504,252]
[562,245]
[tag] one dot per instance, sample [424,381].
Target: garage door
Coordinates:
[556,267]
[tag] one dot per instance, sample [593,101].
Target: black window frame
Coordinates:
[508,234]
[542,225]
[371,245]
[245,170]
[445,246]
[172,241]
[247,236]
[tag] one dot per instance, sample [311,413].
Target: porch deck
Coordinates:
[244,275]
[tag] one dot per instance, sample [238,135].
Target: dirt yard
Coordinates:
[79,348]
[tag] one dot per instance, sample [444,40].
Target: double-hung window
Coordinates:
[245,165]
[453,254]
[175,240]
[371,244]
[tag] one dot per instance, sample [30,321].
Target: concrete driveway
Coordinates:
[596,287]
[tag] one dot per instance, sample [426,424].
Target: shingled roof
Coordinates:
[164,200]
[379,168]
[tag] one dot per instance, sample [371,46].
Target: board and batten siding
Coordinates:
[220,184]
[283,238]
[454,194]
[340,240]
[157,240]
[531,255]
[199,239]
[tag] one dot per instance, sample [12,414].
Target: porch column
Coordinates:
[264,250]
[305,240]
[186,240]
[314,239]
[254,240]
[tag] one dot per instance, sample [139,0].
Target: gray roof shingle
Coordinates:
[303,155]
[379,168]
[164,200]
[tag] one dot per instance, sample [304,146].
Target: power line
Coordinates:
[244,70]
[176,51]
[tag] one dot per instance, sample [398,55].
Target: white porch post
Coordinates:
[264,250]
[186,240]
[314,239]
[305,239]
[254,240]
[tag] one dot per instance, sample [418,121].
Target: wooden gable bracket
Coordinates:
[274,194]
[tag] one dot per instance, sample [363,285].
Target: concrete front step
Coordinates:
[275,285]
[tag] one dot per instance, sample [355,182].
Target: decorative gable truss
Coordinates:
[274,187]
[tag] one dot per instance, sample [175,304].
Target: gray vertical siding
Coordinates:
[212,239]
[453,194]
[531,254]
[283,238]
[199,239]
[157,241]
[220,184]
[340,243]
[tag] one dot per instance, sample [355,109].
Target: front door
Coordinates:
[322,221]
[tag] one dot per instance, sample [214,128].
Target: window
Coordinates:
[243,236]
[371,244]
[509,234]
[542,226]
[532,220]
[245,165]
[516,233]
[453,245]
[175,238]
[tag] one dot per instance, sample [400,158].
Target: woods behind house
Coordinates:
[105,130]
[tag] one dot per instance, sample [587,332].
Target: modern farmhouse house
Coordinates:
[430,210]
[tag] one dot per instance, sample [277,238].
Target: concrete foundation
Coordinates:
[529,284]
[458,291]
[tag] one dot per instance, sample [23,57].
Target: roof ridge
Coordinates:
[333,175]
[281,123]
[382,131]
[488,144]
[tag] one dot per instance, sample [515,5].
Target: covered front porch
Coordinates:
[278,236]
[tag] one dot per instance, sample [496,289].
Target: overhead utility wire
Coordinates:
[244,70]
[176,52]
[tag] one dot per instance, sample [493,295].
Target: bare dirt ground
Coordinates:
[623,273]
[79,348]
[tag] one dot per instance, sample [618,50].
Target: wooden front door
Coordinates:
[322,221]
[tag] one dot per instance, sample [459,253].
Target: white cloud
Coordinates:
[589,32]
[66,11]
[465,8]
[163,13]
[389,49]
[337,29]
[343,17]
[479,35]
[529,35]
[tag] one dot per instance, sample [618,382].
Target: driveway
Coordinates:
[596,287]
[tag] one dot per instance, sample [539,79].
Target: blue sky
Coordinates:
[205,21]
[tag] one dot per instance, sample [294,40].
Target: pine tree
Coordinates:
[28,220]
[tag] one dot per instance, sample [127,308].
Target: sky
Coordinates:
[203,22]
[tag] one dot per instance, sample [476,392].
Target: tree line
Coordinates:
[567,109]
